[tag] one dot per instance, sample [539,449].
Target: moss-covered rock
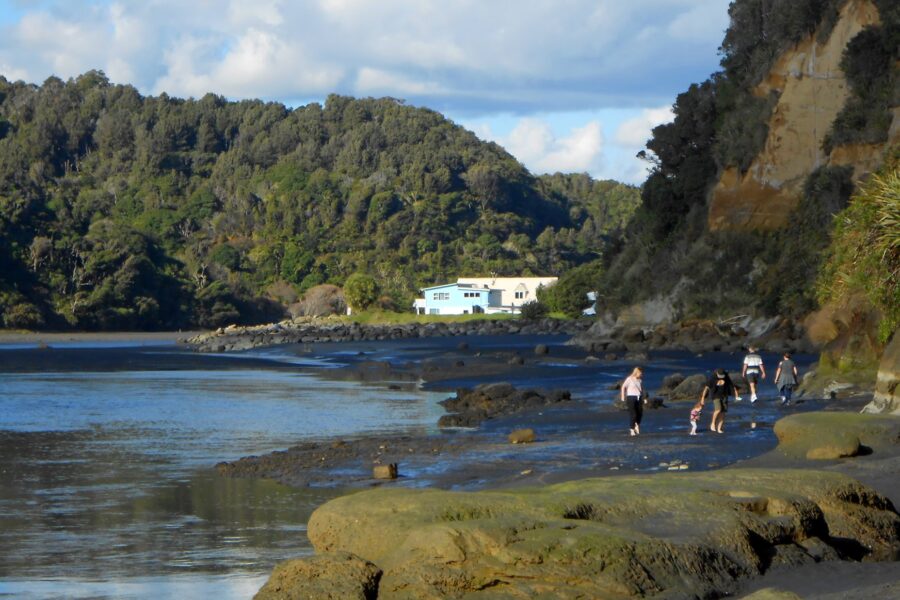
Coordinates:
[665,535]
[338,576]
[772,594]
[832,435]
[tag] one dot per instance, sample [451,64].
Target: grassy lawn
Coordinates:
[395,318]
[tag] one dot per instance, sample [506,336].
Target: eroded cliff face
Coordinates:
[812,90]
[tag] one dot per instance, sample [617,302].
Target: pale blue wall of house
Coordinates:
[457,299]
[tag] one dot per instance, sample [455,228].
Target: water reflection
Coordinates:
[106,480]
[82,517]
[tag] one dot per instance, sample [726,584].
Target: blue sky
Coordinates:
[564,85]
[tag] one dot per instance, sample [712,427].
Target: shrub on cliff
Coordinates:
[864,255]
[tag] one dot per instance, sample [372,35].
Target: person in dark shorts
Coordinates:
[753,371]
[719,387]
[786,378]
[631,393]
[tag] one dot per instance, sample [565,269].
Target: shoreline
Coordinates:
[58,337]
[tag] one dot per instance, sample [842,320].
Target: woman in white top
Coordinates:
[631,392]
[753,371]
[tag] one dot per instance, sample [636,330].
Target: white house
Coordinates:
[470,295]
[515,291]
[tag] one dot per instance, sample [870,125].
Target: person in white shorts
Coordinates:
[753,370]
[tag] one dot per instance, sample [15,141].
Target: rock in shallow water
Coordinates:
[522,436]
[472,406]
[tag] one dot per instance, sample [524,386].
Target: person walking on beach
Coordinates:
[631,394]
[753,371]
[719,387]
[695,417]
[786,378]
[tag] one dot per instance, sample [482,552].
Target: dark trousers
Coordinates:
[635,409]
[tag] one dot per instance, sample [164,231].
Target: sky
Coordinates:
[563,85]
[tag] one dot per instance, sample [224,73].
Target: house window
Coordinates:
[434,311]
[441,296]
[520,295]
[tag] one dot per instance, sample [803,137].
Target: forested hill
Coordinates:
[122,211]
[738,214]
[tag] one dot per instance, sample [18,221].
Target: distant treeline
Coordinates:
[121,211]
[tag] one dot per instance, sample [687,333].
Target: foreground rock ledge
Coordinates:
[666,535]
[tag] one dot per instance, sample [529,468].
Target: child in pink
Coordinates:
[695,417]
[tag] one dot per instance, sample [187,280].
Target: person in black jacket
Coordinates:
[719,387]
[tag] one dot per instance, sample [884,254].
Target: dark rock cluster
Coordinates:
[693,335]
[472,406]
[232,338]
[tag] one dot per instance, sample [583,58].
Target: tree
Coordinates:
[569,294]
[534,310]
[360,291]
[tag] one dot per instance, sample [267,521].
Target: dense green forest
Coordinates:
[668,249]
[122,211]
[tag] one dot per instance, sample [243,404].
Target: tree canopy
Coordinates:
[124,211]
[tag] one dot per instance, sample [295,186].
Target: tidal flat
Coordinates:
[108,447]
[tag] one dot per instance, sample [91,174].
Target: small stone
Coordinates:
[385,471]
[521,436]
[526,472]
[541,349]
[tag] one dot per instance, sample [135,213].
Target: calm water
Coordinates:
[106,487]
[106,453]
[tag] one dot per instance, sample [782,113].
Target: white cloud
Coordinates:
[259,12]
[636,131]
[465,56]
[257,60]
[376,81]
[535,144]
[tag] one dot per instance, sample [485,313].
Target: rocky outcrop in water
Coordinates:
[667,535]
[305,331]
[694,335]
[472,406]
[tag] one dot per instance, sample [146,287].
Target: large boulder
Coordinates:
[833,435]
[337,576]
[690,388]
[472,406]
[668,535]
